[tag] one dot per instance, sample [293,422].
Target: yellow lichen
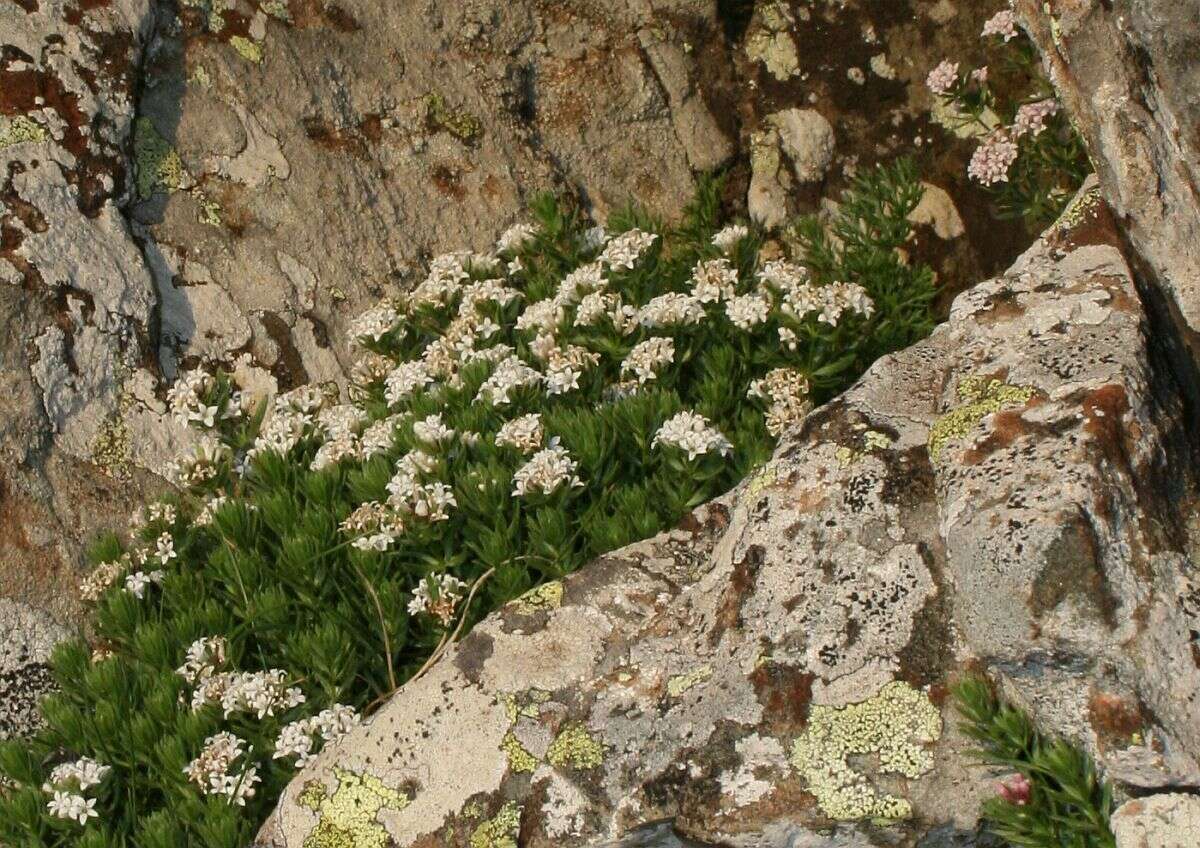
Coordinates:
[22,129]
[548,596]
[980,398]
[1077,211]
[575,747]
[457,122]
[501,830]
[248,49]
[156,162]
[111,449]
[348,817]
[680,683]
[893,726]
[766,477]
[519,759]
[873,440]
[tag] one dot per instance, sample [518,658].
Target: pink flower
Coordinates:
[1031,118]
[1002,23]
[942,78]
[1015,790]
[980,75]
[992,159]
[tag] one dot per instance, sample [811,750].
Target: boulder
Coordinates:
[1160,821]
[1003,497]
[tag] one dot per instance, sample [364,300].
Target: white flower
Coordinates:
[379,437]
[515,238]
[164,548]
[81,774]
[448,590]
[692,434]
[405,379]
[137,583]
[525,433]
[729,238]
[671,309]
[786,392]
[375,323]
[942,78]
[66,805]
[204,657]
[212,771]
[625,250]
[747,311]
[583,280]
[298,737]
[103,576]
[992,159]
[593,238]
[510,374]
[543,315]
[549,469]
[432,430]
[1003,23]
[648,358]
[1031,118]
[713,280]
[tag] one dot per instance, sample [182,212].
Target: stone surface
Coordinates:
[1126,71]
[27,636]
[1003,496]
[1160,821]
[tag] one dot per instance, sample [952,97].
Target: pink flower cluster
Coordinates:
[1031,118]
[992,159]
[1003,24]
[942,78]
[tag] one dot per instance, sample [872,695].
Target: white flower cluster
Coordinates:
[515,238]
[68,782]
[298,739]
[204,517]
[748,311]
[511,374]
[257,692]
[441,602]
[729,237]
[373,526]
[564,367]
[432,431]
[624,251]
[204,658]
[152,513]
[546,471]
[671,309]
[526,433]
[785,391]
[714,280]
[138,582]
[214,771]
[798,298]
[292,417]
[189,398]
[101,579]
[647,359]
[375,323]
[200,466]
[693,434]
[404,379]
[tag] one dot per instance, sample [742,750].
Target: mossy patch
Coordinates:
[544,598]
[156,162]
[20,130]
[980,397]
[348,816]
[575,747]
[247,48]
[892,726]
[501,830]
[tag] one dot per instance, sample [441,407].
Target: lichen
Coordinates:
[277,9]
[546,597]
[872,440]
[520,761]
[766,477]
[680,683]
[20,130]
[1078,210]
[111,450]
[523,704]
[156,162]
[893,726]
[500,831]
[210,210]
[980,398]
[247,48]
[347,819]
[458,122]
[771,43]
[575,747]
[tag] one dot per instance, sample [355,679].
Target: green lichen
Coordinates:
[680,683]
[520,761]
[277,9]
[893,726]
[156,162]
[111,449]
[980,398]
[872,440]
[458,122]
[20,130]
[525,704]
[1078,210]
[766,477]
[546,597]
[347,819]
[210,210]
[248,49]
[201,77]
[575,747]
[500,831]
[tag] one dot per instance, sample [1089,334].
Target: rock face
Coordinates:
[774,671]
[1161,821]
[1126,71]
[227,181]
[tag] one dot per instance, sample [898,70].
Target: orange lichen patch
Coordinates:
[785,694]
[1104,411]
[741,585]
[1115,719]
[1008,425]
[447,179]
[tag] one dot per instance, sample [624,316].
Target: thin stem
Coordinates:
[387,642]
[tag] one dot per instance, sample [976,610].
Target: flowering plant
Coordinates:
[513,415]
[1028,156]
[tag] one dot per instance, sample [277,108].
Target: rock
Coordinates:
[1160,821]
[182,188]
[774,670]
[27,637]
[807,139]
[937,210]
[770,180]
[1126,73]
[770,40]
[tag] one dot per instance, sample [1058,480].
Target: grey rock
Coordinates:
[1160,821]
[27,636]
[807,139]
[982,499]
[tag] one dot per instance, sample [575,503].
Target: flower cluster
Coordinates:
[66,785]
[992,160]
[259,692]
[215,773]
[548,469]
[1003,23]
[526,433]
[647,359]
[624,251]
[299,738]
[437,597]
[692,434]
[785,391]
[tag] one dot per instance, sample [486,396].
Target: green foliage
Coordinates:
[1065,803]
[258,550]
[1051,162]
